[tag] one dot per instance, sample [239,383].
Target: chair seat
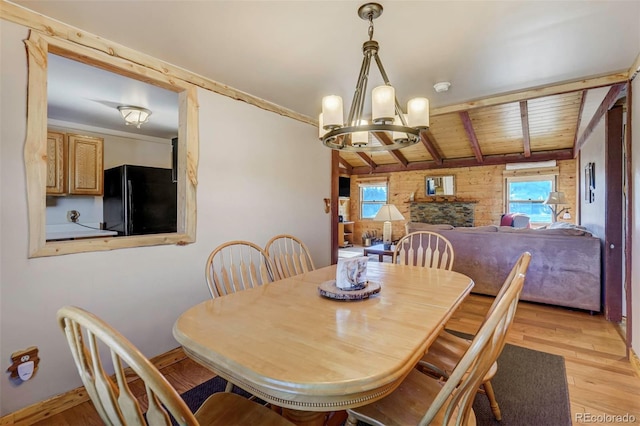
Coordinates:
[224,408]
[447,350]
[407,404]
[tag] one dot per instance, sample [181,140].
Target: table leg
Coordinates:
[305,418]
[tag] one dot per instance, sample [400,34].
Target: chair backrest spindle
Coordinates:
[290,255]
[424,248]
[236,266]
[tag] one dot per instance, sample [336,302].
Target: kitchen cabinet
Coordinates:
[86,165]
[75,164]
[56,163]
[345,234]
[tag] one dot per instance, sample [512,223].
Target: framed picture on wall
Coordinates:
[589,182]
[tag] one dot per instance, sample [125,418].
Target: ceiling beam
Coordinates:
[385,139]
[489,160]
[471,134]
[635,68]
[345,164]
[538,92]
[429,142]
[605,105]
[580,111]
[368,160]
[526,138]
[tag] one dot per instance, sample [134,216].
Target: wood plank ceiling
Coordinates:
[535,129]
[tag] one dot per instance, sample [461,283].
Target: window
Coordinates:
[526,194]
[372,197]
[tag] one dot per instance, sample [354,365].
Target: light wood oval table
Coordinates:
[288,345]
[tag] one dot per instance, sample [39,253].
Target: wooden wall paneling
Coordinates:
[415,152]
[498,129]
[451,136]
[483,185]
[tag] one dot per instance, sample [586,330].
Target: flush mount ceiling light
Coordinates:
[393,128]
[134,116]
[442,86]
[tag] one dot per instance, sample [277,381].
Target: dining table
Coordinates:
[311,354]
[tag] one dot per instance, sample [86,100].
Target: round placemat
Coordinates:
[330,290]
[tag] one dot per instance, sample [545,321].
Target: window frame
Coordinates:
[361,187]
[552,177]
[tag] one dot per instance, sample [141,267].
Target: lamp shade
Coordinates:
[383,106]
[418,112]
[556,198]
[388,212]
[332,111]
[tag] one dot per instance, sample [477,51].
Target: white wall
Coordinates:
[635,246]
[592,214]
[259,174]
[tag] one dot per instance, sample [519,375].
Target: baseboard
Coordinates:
[635,361]
[59,403]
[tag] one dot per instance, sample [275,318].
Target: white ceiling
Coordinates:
[294,52]
[83,94]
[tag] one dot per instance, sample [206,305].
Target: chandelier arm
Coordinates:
[358,95]
[363,91]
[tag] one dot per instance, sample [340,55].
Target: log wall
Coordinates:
[482,185]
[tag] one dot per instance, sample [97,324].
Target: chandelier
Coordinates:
[390,126]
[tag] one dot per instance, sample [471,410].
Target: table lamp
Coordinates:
[554,200]
[386,214]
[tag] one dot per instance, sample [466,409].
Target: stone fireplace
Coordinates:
[454,213]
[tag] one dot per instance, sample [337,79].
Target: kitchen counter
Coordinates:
[73,231]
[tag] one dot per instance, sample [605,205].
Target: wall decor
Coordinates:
[589,182]
[440,185]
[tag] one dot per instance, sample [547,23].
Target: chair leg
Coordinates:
[229,387]
[351,421]
[488,390]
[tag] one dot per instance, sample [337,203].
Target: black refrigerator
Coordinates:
[139,200]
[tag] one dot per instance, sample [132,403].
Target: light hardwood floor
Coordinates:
[601,381]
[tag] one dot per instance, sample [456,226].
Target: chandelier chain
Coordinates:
[370,26]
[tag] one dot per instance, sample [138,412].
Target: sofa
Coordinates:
[565,267]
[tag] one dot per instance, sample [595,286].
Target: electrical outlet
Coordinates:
[73,215]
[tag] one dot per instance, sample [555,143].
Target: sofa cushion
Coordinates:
[568,231]
[418,226]
[487,228]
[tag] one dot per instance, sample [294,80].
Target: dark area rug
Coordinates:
[530,386]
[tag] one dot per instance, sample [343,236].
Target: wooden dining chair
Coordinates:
[238,265]
[423,400]
[424,248]
[289,255]
[89,336]
[447,350]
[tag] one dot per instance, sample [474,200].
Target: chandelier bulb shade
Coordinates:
[388,128]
